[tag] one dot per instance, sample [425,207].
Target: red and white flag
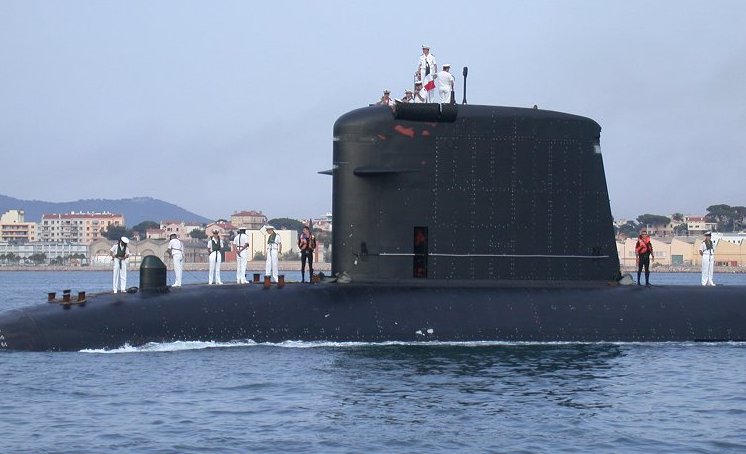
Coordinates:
[429,83]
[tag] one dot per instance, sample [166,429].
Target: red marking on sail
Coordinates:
[403,130]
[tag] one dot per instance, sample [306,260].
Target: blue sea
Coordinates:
[368,398]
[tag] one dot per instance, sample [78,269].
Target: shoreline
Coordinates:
[258,266]
[686,269]
[253,267]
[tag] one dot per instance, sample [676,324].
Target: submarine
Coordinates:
[452,223]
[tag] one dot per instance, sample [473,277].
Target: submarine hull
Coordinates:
[451,223]
[381,313]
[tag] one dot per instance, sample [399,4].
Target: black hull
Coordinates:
[379,313]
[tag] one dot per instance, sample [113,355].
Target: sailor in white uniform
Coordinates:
[214,248]
[445,82]
[241,247]
[420,94]
[427,64]
[707,251]
[176,251]
[274,248]
[386,99]
[120,252]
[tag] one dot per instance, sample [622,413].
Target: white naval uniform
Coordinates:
[384,102]
[272,251]
[215,258]
[120,269]
[444,84]
[708,263]
[241,242]
[417,100]
[430,95]
[177,254]
[425,60]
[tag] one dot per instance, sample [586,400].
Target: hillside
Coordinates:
[135,210]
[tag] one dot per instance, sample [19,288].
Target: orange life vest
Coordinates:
[643,246]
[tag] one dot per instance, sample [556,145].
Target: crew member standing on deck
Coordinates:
[427,64]
[707,251]
[644,251]
[445,83]
[121,253]
[176,251]
[274,248]
[214,248]
[306,244]
[241,246]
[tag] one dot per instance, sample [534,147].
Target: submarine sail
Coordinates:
[448,192]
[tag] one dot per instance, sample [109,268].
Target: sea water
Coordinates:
[297,397]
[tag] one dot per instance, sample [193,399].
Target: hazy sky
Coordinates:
[219,106]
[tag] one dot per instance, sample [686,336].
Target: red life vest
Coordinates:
[643,246]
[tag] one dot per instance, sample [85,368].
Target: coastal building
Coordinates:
[250,220]
[667,250]
[76,227]
[730,249]
[258,241]
[42,252]
[14,228]
[191,226]
[698,225]
[224,228]
[155,234]
[177,227]
[323,223]
[684,250]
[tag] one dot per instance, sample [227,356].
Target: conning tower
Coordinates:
[433,192]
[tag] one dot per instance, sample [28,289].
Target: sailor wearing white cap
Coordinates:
[176,251]
[241,246]
[408,96]
[386,99]
[274,248]
[427,64]
[214,248]
[420,94]
[707,251]
[120,253]
[445,82]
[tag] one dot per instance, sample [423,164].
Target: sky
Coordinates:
[224,106]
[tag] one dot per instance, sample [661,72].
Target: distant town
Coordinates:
[676,238]
[84,238]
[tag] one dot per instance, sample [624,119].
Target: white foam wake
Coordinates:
[156,347]
[177,346]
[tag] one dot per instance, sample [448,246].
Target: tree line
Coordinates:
[728,219]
